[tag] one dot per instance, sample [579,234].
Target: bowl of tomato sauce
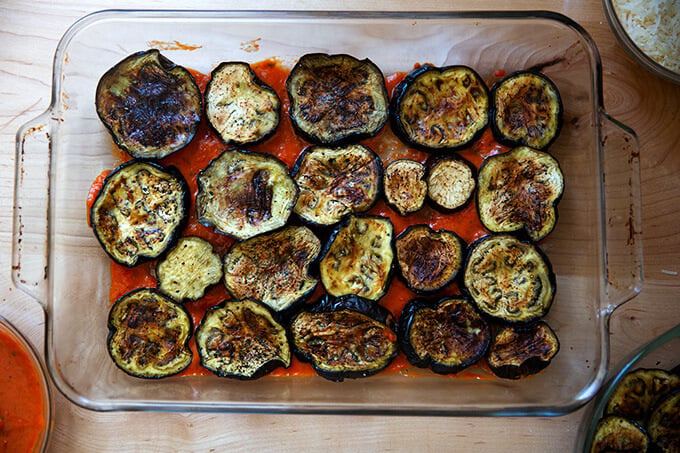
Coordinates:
[25,400]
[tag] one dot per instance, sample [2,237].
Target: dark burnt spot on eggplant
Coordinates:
[664,423]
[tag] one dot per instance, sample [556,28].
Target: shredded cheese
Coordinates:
[654,26]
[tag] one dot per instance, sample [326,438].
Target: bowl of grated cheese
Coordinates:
[650,31]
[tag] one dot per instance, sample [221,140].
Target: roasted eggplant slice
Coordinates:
[151,106]
[618,434]
[149,334]
[526,109]
[519,191]
[242,340]
[404,186]
[334,182]
[239,106]
[273,268]
[440,109]
[509,279]
[520,351]
[358,258]
[244,193]
[345,337]
[664,424]
[429,260]
[190,268]
[445,335]
[336,98]
[140,211]
[451,182]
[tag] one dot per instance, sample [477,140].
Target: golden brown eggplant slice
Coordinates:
[618,434]
[405,186]
[451,182]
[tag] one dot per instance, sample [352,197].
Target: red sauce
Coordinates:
[22,405]
[286,145]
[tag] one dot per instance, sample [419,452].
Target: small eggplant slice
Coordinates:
[404,186]
[440,109]
[244,193]
[358,258]
[526,109]
[151,106]
[336,98]
[334,182]
[345,337]
[664,424]
[446,335]
[242,340]
[429,260]
[273,268]
[638,391]
[149,334]
[140,211]
[618,434]
[520,351]
[239,106]
[189,269]
[519,191]
[509,279]
[451,182]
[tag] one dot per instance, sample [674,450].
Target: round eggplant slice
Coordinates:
[239,106]
[526,110]
[334,182]
[618,434]
[664,424]
[336,98]
[273,268]
[244,193]
[358,258]
[242,340]
[404,186]
[451,182]
[149,334]
[520,351]
[189,269]
[440,109]
[519,190]
[445,335]
[140,211]
[345,337]
[509,279]
[151,106]
[429,260]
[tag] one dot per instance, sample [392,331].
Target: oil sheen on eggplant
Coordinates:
[151,106]
[344,337]
[405,186]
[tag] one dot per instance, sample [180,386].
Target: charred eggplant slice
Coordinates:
[239,106]
[273,268]
[404,185]
[151,106]
[664,424]
[189,269]
[520,351]
[451,182]
[140,211]
[429,260]
[345,337]
[336,98]
[337,181]
[440,109]
[618,434]
[149,334]
[244,193]
[242,340]
[509,279]
[358,258]
[519,191]
[526,109]
[446,335]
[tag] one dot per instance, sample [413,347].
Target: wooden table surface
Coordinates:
[29,33]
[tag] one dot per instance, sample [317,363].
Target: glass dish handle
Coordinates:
[622,202]
[31,204]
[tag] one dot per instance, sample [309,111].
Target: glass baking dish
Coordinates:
[595,249]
